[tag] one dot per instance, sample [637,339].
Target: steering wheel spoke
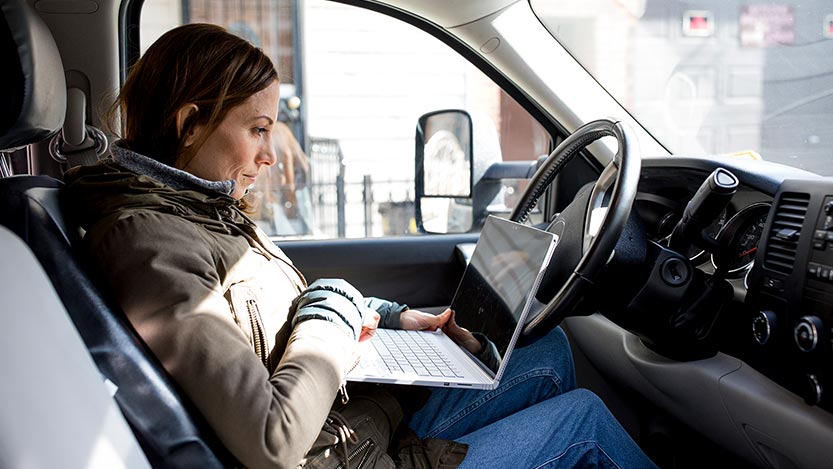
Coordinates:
[599,204]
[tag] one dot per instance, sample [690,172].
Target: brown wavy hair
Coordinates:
[196,63]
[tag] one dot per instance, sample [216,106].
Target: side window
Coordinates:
[353,86]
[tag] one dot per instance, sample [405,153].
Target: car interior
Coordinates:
[696,290]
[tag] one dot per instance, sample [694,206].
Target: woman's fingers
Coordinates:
[371,322]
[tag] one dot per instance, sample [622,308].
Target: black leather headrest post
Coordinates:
[33,107]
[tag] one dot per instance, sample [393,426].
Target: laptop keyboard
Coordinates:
[410,352]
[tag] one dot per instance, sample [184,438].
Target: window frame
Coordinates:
[129,36]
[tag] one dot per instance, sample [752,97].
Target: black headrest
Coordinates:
[33,103]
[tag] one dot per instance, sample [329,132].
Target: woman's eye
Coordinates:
[261,130]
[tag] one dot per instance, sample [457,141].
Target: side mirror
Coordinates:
[444,172]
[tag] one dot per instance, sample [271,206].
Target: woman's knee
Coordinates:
[587,401]
[552,350]
[554,340]
[590,406]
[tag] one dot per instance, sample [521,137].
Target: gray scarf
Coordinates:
[168,175]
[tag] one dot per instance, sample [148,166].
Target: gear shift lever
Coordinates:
[706,204]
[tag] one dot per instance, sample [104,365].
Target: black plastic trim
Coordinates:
[130,14]
[761,175]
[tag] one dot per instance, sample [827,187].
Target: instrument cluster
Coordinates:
[738,230]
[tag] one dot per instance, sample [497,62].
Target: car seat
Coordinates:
[170,432]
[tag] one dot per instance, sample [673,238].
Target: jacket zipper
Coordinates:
[258,336]
[362,447]
[342,389]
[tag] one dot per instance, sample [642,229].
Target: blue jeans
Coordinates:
[535,418]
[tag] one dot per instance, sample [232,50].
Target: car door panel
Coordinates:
[420,271]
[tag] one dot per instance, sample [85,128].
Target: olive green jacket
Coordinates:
[204,288]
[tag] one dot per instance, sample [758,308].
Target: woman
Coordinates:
[261,354]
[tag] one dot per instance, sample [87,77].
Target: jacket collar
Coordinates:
[168,175]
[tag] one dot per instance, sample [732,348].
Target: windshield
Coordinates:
[712,76]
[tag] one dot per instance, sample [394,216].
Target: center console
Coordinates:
[790,293]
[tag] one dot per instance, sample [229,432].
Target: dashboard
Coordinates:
[790,292]
[776,251]
[761,383]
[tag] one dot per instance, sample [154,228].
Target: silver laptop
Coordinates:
[491,303]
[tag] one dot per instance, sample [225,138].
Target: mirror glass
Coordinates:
[447,154]
[446,215]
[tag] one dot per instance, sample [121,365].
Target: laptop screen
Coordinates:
[496,285]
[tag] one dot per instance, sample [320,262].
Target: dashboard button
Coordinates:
[820,234]
[819,244]
[814,390]
[763,323]
[776,283]
[806,333]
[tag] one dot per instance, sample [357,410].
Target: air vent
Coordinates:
[782,241]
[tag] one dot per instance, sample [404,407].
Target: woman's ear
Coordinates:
[182,115]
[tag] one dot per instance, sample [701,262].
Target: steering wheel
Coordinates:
[590,226]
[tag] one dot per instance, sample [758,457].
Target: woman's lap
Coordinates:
[573,429]
[534,418]
[535,372]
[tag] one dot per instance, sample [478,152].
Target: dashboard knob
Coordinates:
[763,324]
[814,390]
[807,333]
[828,208]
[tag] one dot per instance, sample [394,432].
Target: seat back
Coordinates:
[70,419]
[170,431]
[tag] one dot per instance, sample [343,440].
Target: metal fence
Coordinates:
[355,209]
[327,187]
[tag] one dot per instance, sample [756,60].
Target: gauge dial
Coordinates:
[743,252]
[742,234]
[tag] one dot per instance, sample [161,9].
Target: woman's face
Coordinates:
[241,145]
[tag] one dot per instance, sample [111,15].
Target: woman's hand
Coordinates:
[462,336]
[416,320]
[371,322]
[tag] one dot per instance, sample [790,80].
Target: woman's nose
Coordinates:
[268,156]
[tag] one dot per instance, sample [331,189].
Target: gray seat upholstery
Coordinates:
[34,101]
[69,419]
[169,430]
